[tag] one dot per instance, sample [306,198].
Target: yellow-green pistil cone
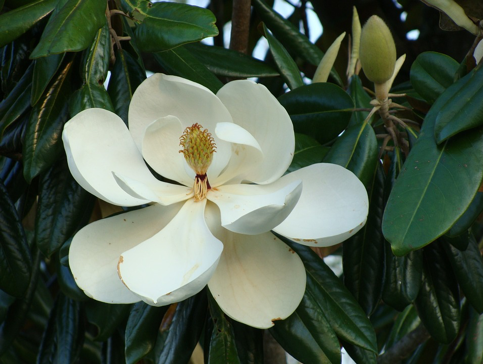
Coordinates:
[198,148]
[378,51]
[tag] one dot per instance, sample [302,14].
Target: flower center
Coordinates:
[198,148]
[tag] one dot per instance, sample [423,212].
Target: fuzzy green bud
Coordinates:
[378,51]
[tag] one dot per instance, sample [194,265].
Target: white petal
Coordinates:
[95,250]
[156,191]
[255,109]
[177,262]
[161,150]
[98,143]
[160,96]
[255,209]
[332,208]
[259,279]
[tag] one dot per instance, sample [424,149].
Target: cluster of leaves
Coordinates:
[416,262]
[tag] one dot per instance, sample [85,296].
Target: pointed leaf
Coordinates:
[96,61]
[44,70]
[419,210]
[43,143]
[62,31]
[462,225]
[249,343]
[321,110]
[285,64]
[308,151]
[89,96]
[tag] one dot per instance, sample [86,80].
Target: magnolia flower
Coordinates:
[222,158]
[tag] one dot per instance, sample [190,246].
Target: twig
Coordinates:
[240,25]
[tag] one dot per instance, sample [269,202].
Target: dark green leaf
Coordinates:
[438,299]
[89,96]
[403,279]
[180,330]
[62,31]
[44,70]
[126,76]
[96,62]
[359,355]
[64,335]
[296,43]
[406,322]
[63,208]
[249,343]
[285,64]
[43,144]
[230,63]
[462,225]
[468,269]
[5,301]
[182,63]
[67,282]
[459,111]
[16,22]
[169,25]
[363,254]
[222,344]
[308,151]
[344,314]
[141,330]
[361,100]
[15,262]
[307,334]
[429,173]
[112,349]
[106,317]
[474,338]
[321,110]
[432,73]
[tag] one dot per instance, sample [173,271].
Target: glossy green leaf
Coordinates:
[15,260]
[285,64]
[249,343]
[96,61]
[17,312]
[468,269]
[460,242]
[359,355]
[126,76]
[403,279]
[222,344]
[17,102]
[406,322]
[180,330]
[141,330]
[89,96]
[344,314]
[168,25]
[62,31]
[460,112]
[182,63]
[16,22]
[295,42]
[361,100]
[43,143]
[308,151]
[462,225]
[474,338]
[63,208]
[106,317]
[363,254]
[44,70]
[438,299]
[436,184]
[307,334]
[432,73]
[230,63]
[64,335]
[67,283]
[321,110]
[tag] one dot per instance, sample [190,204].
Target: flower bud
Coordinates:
[378,51]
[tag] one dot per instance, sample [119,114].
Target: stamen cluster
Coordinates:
[198,148]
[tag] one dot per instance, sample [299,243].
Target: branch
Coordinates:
[405,347]
[240,25]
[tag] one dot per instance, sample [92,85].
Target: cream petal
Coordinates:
[95,250]
[255,209]
[332,208]
[161,150]
[177,262]
[161,95]
[97,143]
[259,279]
[155,191]
[256,110]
